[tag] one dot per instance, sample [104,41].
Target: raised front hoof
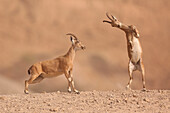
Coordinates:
[26,92]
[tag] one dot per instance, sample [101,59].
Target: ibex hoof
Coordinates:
[128,88]
[77,92]
[26,92]
[144,89]
[69,90]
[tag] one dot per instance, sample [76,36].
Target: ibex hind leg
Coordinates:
[31,81]
[38,79]
[142,70]
[131,68]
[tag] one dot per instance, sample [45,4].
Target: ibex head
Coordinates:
[113,21]
[75,42]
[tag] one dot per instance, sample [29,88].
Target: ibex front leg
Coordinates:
[71,82]
[69,85]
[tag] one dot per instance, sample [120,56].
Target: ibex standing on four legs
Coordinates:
[56,67]
[133,46]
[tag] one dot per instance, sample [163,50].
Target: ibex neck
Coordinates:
[124,28]
[71,53]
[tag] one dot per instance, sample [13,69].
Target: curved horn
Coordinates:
[72,35]
[108,16]
[107,21]
[114,17]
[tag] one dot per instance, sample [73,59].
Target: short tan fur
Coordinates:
[133,46]
[55,67]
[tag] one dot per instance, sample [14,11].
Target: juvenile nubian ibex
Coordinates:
[55,67]
[133,46]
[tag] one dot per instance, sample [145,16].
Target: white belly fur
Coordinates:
[136,50]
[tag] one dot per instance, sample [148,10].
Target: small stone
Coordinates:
[146,100]
[134,95]
[2,98]
[125,100]
[123,94]
[117,101]
[160,91]
[53,110]
[48,104]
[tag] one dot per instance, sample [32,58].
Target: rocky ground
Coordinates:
[152,101]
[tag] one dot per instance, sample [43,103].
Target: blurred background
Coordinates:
[34,30]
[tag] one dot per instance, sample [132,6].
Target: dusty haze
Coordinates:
[32,31]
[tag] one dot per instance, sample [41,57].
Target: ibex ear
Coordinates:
[136,32]
[72,40]
[134,29]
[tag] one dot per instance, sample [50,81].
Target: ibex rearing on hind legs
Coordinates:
[133,46]
[55,67]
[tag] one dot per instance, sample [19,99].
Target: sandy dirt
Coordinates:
[33,31]
[152,101]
